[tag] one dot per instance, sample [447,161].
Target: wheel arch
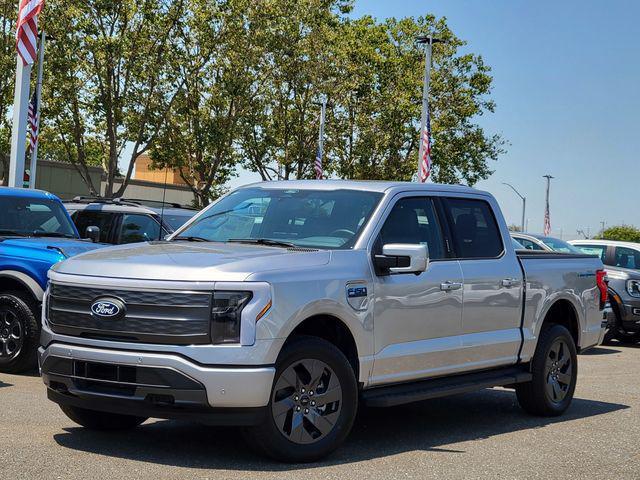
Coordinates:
[332,329]
[14,280]
[563,312]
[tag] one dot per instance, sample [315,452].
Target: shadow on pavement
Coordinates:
[2,384]
[600,351]
[427,426]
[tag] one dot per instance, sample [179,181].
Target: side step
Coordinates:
[441,387]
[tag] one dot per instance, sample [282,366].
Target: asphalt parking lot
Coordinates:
[480,435]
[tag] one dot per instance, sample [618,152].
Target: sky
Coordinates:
[566,84]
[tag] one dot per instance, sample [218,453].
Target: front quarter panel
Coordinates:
[299,294]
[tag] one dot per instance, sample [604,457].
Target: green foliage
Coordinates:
[207,85]
[622,233]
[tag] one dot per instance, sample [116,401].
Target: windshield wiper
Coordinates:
[191,239]
[12,232]
[263,241]
[52,234]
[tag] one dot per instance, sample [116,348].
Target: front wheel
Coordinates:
[95,420]
[19,332]
[555,371]
[313,403]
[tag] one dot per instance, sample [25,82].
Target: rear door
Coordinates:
[493,289]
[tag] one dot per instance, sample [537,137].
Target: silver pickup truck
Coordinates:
[284,306]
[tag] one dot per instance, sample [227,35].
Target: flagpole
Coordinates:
[19,129]
[428,41]
[34,150]
[323,110]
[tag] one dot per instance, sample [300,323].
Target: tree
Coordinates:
[112,79]
[218,73]
[622,233]
[297,66]
[376,123]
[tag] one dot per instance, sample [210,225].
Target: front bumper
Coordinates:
[155,385]
[628,310]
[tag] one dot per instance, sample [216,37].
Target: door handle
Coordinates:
[448,286]
[510,282]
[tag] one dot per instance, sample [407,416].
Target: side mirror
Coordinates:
[92,233]
[402,258]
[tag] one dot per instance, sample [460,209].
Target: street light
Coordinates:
[524,201]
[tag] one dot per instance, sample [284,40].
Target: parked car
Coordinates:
[127,221]
[622,262]
[532,241]
[35,233]
[285,305]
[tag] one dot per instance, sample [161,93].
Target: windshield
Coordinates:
[558,245]
[304,218]
[34,217]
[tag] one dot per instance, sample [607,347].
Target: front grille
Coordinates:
[166,317]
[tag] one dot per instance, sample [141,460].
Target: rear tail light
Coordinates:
[601,281]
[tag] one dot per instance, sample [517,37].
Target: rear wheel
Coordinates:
[101,420]
[313,403]
[555,370]
[19,332]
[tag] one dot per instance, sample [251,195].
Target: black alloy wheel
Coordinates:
[306,401]
[558,371]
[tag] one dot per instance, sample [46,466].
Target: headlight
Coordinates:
[226,313]
[633,288]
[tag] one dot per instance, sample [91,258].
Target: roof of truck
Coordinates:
[365,185]
[26,193]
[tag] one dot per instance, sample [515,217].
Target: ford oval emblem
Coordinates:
[107,308]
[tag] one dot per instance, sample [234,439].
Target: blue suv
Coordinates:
[35,233]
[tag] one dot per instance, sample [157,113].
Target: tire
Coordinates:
[620,334]
[303,425]
[95,420]
[19,332]
[555,371]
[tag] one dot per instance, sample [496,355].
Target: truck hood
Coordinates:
[66,246]
[182,261]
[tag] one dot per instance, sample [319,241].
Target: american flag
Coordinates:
[425,160]
[27,30]
[34,121]
[547,221]
[318,165]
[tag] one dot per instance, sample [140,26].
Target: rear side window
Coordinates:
[597,250]
[139,228]
[528,244]
[475,231]
[627,258]
[413,220]
[93,218]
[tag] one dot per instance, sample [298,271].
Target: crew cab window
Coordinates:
[139,228]
[413,220]
[476,233]
[597,250]
[627,258]
[94,218]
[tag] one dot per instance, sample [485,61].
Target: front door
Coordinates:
[417,318]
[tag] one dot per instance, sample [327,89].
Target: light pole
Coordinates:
[547,214]
[524,202]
